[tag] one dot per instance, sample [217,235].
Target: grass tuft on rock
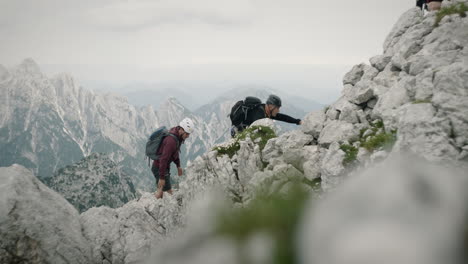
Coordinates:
[350,153]
[459,8]
[372,138]
[259,135]
[381,140]
[376,137]
[229,150]
[315,184]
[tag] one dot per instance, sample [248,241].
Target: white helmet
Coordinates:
[187,125]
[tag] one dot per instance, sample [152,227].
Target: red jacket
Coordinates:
[169,153]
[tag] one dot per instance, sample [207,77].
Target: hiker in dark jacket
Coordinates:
[169,152]
[268,110]
[421,4]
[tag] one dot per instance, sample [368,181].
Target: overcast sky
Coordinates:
[210,40]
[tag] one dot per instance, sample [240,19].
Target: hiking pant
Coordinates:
[167,185]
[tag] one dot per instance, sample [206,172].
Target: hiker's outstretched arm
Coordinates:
[286,118]
[177,162]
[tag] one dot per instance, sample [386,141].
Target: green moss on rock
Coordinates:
[259,135]
[350,153]
[459,8]
[382,140]
[374,138]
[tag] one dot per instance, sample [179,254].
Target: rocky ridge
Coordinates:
[412,98]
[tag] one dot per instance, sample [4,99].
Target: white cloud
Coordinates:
[131,15]
[118,39]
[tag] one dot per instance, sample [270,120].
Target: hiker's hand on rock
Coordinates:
[159,194]
[180,171]
[301,122]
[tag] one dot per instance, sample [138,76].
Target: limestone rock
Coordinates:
[421,131]
[125,235]
[332,166]
[354,75]
[313,123]
[380,61]
[396,212]
[361,93]
[336,131]
[37,225]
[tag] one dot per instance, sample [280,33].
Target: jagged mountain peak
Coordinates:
[65,81]
[50,123]
[147,109]
[29,62]
[29,66]
[4,73]
[172,108]
[65,76]
[116,97]
[63,122]
[172,101]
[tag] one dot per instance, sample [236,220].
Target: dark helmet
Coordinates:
[274,100]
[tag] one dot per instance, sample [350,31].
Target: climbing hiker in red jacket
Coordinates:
[169,152]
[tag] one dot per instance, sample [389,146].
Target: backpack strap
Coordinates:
[246,110]
[238,108]
[176,138]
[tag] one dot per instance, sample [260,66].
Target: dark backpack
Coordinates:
[241,109]
[155,141]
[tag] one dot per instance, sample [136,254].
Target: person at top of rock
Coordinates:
[430,5]
[245,112]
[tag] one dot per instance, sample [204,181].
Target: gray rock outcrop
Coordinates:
[396,212]
[37,225]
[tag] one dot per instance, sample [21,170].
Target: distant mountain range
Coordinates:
[49,123]
[94,181]
[144,95]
